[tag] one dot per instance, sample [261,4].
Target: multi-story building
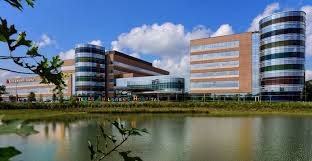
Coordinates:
[164,87]
[19,88]
[282,39]
[119,65]
[91,75]
[90,71]
[225,65]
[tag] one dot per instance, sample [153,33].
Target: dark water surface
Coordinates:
[173,138]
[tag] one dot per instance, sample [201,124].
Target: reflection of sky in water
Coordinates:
[177,138]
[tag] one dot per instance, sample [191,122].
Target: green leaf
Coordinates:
[127,158]
[7,153]
[15,3]
[91,149]
[33,51]
[21,41]
[17,127]
[30,2]
[110,137]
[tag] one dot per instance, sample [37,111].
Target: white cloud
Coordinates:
[96,42]
[45,40]
[168,41]
[308,11]
[308,75]
[136,55]
[4,75]
[224,29]
[70,54]
[271,8]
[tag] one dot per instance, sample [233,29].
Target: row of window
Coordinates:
[282,43]
[216,64]
[215,84]
[35,90]
[282,80]
[282,19]
[89,64]
[282,49]
[90,78]
[282,38]
[283,67]
[215,55]
[90,69]
[138,69]
[89,83]
[90,55]
[279,26]
[159,86]
[283,55]
[282,61]
[214,46]
[90,50]
[215,74]
[283,31]
[90,59]
[90,88]
[282,73]
[282,88]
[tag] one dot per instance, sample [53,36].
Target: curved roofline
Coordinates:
[281,13]
[88,45]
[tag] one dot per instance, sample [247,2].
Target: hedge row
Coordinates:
[217,105]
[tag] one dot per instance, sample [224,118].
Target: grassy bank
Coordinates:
[276,106]
[44,110]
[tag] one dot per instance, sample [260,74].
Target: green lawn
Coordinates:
[26,114]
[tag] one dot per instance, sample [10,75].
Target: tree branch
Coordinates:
[114,149]
[13,71]
[12,57]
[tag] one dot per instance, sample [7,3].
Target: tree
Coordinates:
[308,90]
[40,98]
[12,98]
[2,91]
[54,98]
[31,97]
[29,57]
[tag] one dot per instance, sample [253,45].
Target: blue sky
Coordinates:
[62,24]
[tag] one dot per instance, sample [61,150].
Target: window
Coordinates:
[215,46]
[215,84]
[215,55]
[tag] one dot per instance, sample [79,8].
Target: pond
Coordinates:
[172,138]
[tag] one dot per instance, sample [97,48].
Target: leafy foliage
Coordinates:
[49,71]
[98,154]
[13,127]
[2,91]
[308,90]
[8,152]
[31,97]
[17,3]
[17,127]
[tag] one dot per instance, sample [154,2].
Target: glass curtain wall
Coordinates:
[90,71]
[282,60]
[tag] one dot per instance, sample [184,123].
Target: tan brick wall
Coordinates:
[245,62]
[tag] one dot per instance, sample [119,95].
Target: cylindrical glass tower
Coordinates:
[282,56]
[90,71]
